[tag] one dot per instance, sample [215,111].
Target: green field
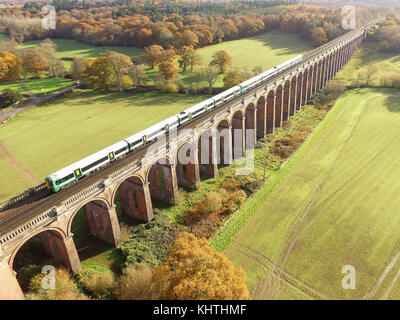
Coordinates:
[387,65]
[48,138]
[337,206]
[266,50]
[70,49]
[37,86]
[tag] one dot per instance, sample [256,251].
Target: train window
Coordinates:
[120,151]
[94,164]
[61,181]
[136,143]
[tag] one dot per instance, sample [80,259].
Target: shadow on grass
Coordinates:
[392,101]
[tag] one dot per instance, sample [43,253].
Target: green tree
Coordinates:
[189,59]
[8,97]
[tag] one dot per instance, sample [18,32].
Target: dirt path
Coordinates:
[5,153]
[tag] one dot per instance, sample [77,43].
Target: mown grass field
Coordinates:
[387,65]
[70,49]
[45,139]
[37,86]
[266,50]
[338,205]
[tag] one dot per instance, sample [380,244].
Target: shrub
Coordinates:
[98,284]
[8,97]
[126,232]
[135,283]
[25,275]
[149,242]
[65,287]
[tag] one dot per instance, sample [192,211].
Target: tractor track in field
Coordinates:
[281,275]
[339,191]
[293,234]
[389,289]
[6,154]
[382,278]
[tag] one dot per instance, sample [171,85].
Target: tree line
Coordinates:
[116,25]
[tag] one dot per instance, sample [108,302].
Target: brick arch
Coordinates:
[134,197]
[206,155]
[299,90]
[162,180]
[311,80]
[250,125]
[261,117]
[56,231]
[238,134]
[317,77]
[322,74]
[292,95]
[224,144]
[101,219]
[186,164]
[286,99]
[304,85]
[75,212]
[270,111]
[278,106]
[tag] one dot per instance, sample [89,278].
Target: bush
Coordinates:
[25,275]
[149,242]
[330,93]
[166,86]
[98,284]
[135,283]
[126,232]
[65,289]
[211,204]
[8,97]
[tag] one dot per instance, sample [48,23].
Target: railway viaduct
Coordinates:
[139,178]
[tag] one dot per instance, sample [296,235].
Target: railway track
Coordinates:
[45,200]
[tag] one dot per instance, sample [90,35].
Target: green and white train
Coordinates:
[84,167]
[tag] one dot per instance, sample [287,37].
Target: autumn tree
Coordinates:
[319,37]
[193,270]
[190,39]
[138,75]
[222,60]
[120,64]
[78,68]
[167,70]
[35,61]
[135,283]
[55,65]
[210,76]
[235,77]
[152,55]
[189,59]
[98,74]
[10,66]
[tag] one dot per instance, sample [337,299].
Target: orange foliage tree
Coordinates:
[10,66]
[195,271]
